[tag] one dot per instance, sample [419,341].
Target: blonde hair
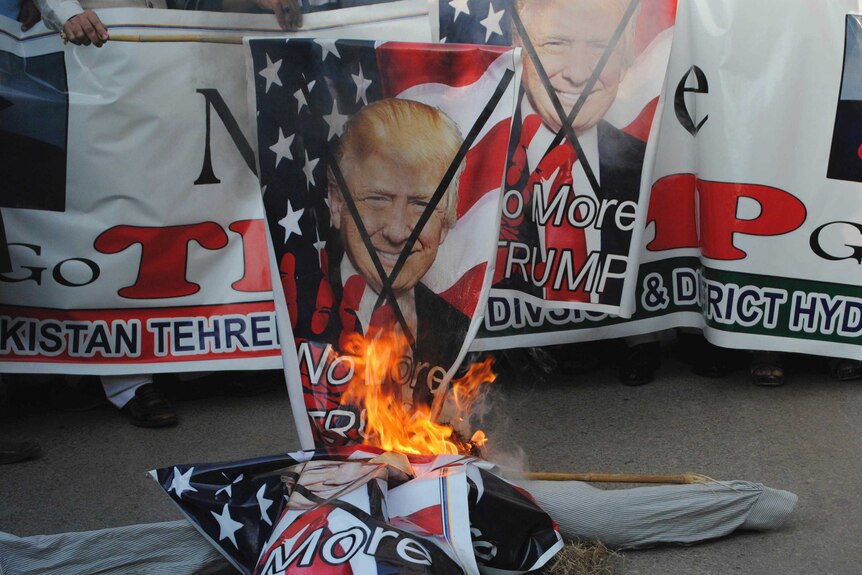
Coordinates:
[407,132]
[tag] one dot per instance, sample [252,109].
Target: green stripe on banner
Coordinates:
[785,307]
[665,287]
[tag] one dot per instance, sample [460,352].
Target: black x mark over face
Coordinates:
[400,231]
[577,53]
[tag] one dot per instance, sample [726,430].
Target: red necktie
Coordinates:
[565,238]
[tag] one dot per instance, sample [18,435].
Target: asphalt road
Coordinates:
[805,437]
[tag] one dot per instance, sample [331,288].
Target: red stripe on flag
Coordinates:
[483,171]
[428,519]
[654,17]
[403,65]
[463,294]
[641,125]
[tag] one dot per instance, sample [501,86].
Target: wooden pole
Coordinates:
[684,479]
[205,38]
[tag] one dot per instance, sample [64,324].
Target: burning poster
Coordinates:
[360,510]
[381,166]
[581,148]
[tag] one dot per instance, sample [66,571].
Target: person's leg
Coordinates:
[641,360]
[706,359]
[15,451]
[138,397]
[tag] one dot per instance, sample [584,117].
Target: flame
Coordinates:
[394,426]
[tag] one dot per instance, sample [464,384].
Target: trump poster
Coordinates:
[582,144]
[381,166]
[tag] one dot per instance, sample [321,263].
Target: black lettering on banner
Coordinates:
[215,101]
[681,108]
[50,337]
[89,264]
[35,272]
[215,334]
[817,246]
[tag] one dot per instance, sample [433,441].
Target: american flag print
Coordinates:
[306,91]
[554,250]
[342,511]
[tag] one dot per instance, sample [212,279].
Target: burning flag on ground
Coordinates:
[360,510]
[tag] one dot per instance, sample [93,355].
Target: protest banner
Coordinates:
[581,149]
[382,166]
[133,227]
[714,136]
[750,231]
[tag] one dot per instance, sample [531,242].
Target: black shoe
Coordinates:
[13,452]
[845,369]
[148,408]
[639,364]
[707,360]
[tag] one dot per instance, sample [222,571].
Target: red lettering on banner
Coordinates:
[672,208]
[255,256]
[164,256]
[780,213]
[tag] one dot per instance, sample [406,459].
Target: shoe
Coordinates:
[640,363]
[707,360]
[148,408]
[13,452]
[845,369]
[767,369]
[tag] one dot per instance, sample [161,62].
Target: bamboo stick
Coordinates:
[683,479]
[205,38]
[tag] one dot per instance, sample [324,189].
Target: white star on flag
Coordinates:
[327,47]
[271,73]
[290,222]
[264,504]
[300,96]
[229,487]
[282,147]
[492,22]
[336,121]
[308,169]
[361,85]
[180,483]
[460,7]
[227,526]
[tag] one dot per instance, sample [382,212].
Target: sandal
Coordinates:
[767,369]
[845,369]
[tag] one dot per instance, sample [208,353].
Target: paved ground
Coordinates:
[805,437]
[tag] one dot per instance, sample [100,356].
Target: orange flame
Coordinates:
[393,426]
